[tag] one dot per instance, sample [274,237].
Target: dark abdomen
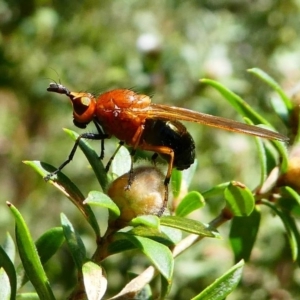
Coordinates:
[174,135]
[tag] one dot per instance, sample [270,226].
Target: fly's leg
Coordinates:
[166,151]
[90,136]
[121,143]
[100,132]
[130,177]
[153,158]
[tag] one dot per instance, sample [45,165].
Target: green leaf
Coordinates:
[159,254]
[243,233]
[224,285]
[47,245]
[119,244]
[69,189]
[181,180]
[100,199]
[147,220]
[216,190]
[74,242]
[291,229]
[28,296]
[274,85]
[191,201]
[190,226]
[261,151]
[8,277]
[165,287]
[242,107]
[246,111]
[239,199]
[122,162]
[151,233]
[9,247]
[176,180]
[291,193]
[30,258]
[95,282]
[92,157]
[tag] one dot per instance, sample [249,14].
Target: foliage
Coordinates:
[95,46]
[147,234]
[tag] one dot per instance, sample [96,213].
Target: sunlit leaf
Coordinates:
[30,258]
[69,189]
[239,199]
[100,199]
[95,281]
[190,226]
[224,285]
[190,202]
[159,254]
[74,242]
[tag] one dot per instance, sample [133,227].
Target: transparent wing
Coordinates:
[165,112]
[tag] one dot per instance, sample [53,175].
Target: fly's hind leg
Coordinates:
[167,151]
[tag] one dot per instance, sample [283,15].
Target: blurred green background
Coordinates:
[157,47]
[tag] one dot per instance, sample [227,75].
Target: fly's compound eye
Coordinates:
[84,106]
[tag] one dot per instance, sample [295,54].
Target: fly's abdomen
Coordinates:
[174,135]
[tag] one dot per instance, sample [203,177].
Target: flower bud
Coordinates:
[145,195]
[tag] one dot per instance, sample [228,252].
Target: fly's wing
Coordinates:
[165,112]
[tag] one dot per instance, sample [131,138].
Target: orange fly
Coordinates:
[137,122]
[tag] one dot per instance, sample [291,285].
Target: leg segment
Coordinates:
[113,156]
[90,136]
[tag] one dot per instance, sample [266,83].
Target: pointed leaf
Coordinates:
[9,247]
[30,258]
[242,107]
[274,85]
[190,226]
[239,199]
[291,229]
[95,282]
[191,201]
[246,111]
[47,245]
[224,285]
[69,189]
[74,242]
[261,155]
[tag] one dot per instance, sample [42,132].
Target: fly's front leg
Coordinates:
[90,136]
[100,132]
